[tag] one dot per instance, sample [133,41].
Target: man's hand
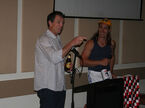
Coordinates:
[78,40]
[105,62]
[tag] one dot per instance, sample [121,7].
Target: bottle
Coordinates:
[67,66]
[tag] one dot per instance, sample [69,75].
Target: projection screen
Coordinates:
[117,9]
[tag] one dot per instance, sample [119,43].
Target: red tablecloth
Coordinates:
[131,91]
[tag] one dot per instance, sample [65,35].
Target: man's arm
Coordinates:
[112,61]
[76,41]
[86,53]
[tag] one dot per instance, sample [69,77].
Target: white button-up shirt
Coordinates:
[49,64]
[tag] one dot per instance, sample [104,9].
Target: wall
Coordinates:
[23,21]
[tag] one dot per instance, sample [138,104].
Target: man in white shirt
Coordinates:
[49,81]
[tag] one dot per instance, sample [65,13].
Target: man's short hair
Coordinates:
[52,15]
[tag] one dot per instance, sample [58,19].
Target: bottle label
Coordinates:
[106,74]
[68,65]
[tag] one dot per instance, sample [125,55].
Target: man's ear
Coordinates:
[50,23]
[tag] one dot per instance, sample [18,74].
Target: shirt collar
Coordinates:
[50,34]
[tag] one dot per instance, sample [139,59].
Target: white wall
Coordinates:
[142,86]
[142,89]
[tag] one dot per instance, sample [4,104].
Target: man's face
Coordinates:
[103,30]
[57,25]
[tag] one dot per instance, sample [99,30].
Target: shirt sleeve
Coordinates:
[48,48]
